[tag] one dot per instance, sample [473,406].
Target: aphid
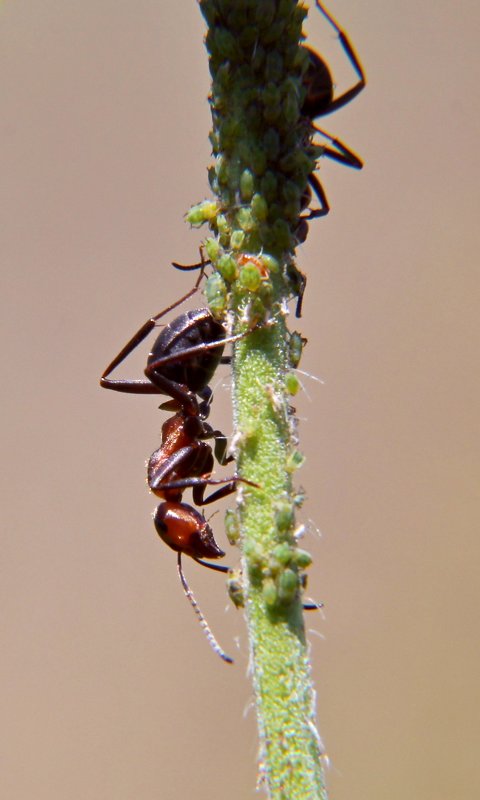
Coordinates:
[297,279]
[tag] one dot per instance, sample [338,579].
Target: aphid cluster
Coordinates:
[188,350]
[271,205]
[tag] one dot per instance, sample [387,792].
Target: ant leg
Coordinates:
[349,95]
[176,391]
[321,197]
[229,488]
[140,387]
[301,292]
[342,154]
[298,283]
[189,267]
[312,606]
[225,491]
[203,622]
[198,485]
[220,447]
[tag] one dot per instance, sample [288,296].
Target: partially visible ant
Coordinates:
[182,361]
[319,102]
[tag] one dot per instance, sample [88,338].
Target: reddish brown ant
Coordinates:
[320,101]
[182,361]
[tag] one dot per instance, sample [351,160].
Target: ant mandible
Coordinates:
[182,361]
[320,101]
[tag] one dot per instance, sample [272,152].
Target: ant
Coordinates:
[182,361]
[320,101]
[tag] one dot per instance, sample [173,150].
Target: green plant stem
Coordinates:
[290,747]
[263,156]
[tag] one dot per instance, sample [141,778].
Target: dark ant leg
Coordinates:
[342,154]
[301,292]
[198,485]
[203,622]
[322,199]
[312,606]
[225,491]
[220,447]
[191,267]
[298,282]
[177,391]
[347,96]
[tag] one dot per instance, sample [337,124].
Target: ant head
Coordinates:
[185,530]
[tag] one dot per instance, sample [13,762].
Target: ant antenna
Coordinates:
[204,262]
[313,606]
[203,622]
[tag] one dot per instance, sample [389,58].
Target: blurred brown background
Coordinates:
[109,691]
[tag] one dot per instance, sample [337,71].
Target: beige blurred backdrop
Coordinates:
[109,691]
